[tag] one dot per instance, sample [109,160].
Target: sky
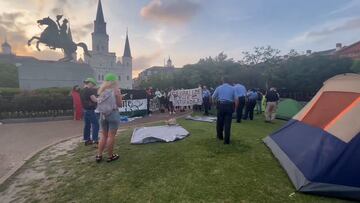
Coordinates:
[187,30]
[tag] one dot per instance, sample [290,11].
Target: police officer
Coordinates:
[240,92]
[226,101]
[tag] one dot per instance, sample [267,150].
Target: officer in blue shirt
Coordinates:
[240,92]
[226,101]
[251,103]
[206,100]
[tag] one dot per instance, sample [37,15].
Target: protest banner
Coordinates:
[188,97]
[134,103]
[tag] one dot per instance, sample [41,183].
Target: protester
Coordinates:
[226,101]
[206,100]
[170,97]
[272,98]
[259,101]
[89,102]
[250,105]
[157,93]
[149,96]
[240,92]
[78,108]
[162,101]
[109,100]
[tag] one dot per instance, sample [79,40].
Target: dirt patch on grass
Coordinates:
[38,177]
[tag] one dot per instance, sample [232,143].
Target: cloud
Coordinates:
[170,11]
[13,26]
[142,62]
[351,5]
[321,32]
[82,31]
[352,24]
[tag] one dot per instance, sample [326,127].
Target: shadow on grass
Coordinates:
[217,147]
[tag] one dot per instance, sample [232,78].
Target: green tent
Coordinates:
[287,108]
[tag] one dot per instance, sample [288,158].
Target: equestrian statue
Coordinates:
[56,35]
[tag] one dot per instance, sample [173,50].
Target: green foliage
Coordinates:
[307,73]
[65,91]
[297,73]
[8,75]
[37,103]
[9,92]
[356,66]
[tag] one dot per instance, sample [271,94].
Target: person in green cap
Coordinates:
[109,101]
[89,102]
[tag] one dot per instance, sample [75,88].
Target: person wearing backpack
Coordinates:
[109,100]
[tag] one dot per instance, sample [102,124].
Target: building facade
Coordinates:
[103,61]
[156,70]
[352,51]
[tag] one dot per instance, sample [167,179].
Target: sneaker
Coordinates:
[88,142]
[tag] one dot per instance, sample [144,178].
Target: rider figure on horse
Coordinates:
[63,30]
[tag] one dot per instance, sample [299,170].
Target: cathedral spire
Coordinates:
[127,51]
[100,25]
[99,13]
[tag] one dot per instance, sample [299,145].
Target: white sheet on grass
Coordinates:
[209,119]
[164,133]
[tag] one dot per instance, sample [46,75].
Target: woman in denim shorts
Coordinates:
[108,102]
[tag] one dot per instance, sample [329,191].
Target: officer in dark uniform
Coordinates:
[226,103]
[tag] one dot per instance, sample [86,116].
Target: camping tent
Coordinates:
[320,146]
[287,108]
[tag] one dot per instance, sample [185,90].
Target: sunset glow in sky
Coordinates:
[188,30]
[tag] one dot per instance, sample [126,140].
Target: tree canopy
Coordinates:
[261,68]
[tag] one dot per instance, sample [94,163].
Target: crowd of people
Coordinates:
[98,107]
[249,101]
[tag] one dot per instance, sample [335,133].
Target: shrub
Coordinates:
[45,102]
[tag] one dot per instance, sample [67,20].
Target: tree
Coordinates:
[8,75]
[261,55]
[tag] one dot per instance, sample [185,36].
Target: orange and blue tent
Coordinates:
[319,147]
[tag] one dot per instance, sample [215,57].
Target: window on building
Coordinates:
[97,48]
[127,64]
[102,77]
[119,78]
[99,77]
[128,77]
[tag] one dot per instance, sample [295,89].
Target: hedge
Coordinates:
[50,102]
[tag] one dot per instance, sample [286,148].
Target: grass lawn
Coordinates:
[196,169]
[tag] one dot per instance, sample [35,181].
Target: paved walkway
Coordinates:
[18,142]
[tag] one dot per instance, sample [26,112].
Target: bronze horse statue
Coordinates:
[53,38]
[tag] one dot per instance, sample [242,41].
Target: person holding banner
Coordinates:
[227,102]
